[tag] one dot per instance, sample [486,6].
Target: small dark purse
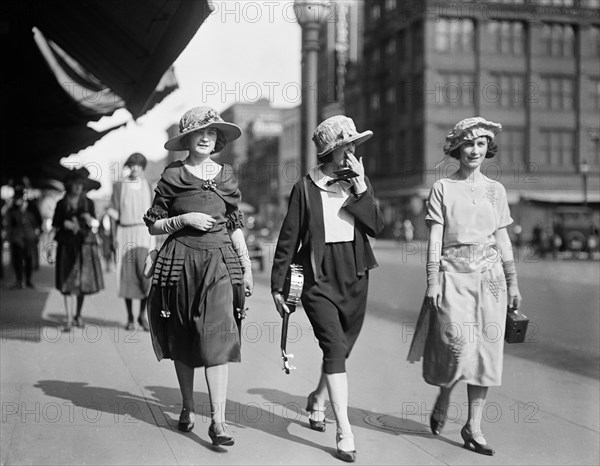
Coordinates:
[516,327]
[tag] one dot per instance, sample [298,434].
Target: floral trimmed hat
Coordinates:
[335,132]
[199,118]
[468,130]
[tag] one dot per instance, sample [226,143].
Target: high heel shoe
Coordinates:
[468,438]
[186,420]
[349,456]
[437,420]
[218,434]
[312,407]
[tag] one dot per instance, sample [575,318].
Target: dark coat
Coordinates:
[302,236]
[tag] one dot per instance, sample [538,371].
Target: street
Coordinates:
[97,395]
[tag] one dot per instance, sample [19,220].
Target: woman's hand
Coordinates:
[356,166]
[198,220]
[87,218]
[248,282]
[433,296]
[72,225]
[514,298]
[280,303]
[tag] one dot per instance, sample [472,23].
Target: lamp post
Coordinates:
[309,14]
[584,169]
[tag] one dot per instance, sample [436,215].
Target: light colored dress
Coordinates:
[132,198]
[464,341]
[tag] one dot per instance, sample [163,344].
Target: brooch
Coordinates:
[210,185]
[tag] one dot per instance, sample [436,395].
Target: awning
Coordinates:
[87,59]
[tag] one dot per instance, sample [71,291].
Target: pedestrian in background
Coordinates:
[78,267]
[331,219]
[130,200]
[470,275]
[23,227]
[203,270]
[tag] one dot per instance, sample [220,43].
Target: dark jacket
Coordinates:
[302,237]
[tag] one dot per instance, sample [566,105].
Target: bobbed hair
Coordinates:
[491,152]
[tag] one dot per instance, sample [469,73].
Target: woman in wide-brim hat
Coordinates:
[78,269]
[203,271]
[331,216]
[471,278]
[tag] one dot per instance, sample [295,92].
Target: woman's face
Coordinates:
[202,142]
[76,188]
[135,171]
[339,154]
[472,153]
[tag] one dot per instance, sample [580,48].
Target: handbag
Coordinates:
[516,327]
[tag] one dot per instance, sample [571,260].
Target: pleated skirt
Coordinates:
[191,306]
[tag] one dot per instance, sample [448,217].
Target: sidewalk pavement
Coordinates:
[97,395]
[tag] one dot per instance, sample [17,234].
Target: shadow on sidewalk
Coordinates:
[22,309]
[380,422]
[161,408]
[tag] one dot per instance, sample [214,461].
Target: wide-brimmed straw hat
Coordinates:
[335,132]
[470,129]
[199,118]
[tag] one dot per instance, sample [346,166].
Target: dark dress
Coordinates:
[335,274]
[78,265]
[191,304]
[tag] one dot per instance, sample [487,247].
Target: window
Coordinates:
[558,148]
[375,12]
[511,142]
[454,35]
[454,89]
[557,93]
[390,48]
[508,37]
[390,96]
[374,102]
[558,40]
[594,41]
[505,89]
[595,93]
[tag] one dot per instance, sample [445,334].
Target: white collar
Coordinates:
[321,179]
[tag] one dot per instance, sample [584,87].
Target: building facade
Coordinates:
[533,66]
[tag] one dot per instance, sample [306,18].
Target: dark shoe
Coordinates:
[68,326]
[311,408]
[349,456]
[186,419]
[29,285]
[219,435]
[130,326]
[468,438]
[16,286]
[143,323]
[78,322]
[437,420]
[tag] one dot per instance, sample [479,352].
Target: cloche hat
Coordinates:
[198,118]
[136,159]
[468,130]
[335,132]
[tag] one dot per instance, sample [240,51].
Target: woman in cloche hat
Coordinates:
[78,267]
[203,269]
[471,277]
[330,214]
